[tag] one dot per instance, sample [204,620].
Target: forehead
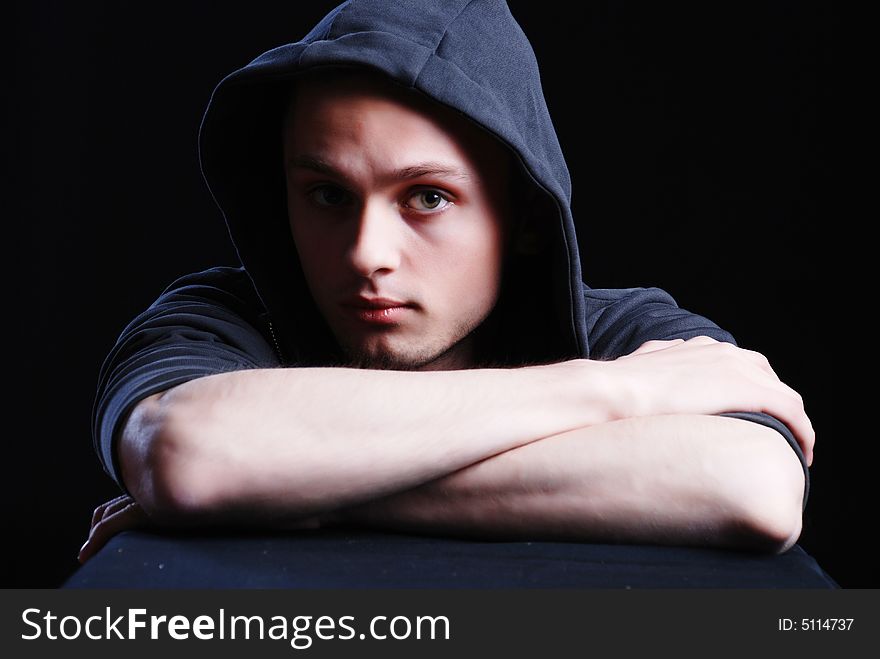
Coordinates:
[354,96]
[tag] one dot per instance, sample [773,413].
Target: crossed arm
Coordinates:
[657,468]
[667,479]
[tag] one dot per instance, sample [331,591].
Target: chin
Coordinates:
[399,359]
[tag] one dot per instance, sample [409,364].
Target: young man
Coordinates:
[408,342]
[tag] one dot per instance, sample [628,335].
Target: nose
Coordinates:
[377,239]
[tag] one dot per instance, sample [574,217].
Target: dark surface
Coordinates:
[337,558]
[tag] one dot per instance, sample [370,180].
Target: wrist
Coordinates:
[599,393]
[623,396]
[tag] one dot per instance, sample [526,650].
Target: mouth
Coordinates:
[378,311]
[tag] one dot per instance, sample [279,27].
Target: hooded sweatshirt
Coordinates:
[471,57]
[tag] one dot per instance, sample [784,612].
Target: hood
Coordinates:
[468,55]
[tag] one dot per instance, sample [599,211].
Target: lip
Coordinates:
[377,310]
[375,303]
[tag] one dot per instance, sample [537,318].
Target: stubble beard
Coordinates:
[422,358]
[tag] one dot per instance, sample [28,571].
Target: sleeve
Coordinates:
[199,326]
[620,320]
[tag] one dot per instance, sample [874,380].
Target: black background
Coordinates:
[694,133]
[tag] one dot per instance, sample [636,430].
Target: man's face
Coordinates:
[368,223]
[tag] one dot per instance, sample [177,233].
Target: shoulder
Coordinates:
[221,301]
[600,299]
[619,320]
[225,286]
[219,282]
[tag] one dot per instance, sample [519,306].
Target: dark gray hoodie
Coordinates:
[472,57]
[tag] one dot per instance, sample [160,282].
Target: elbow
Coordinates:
[181,489]
[776,531]
[773,510]
[162,467]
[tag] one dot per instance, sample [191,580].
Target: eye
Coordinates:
[429,200]
[328,195]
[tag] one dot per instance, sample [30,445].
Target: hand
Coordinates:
[110,518]
[123,513]
[706,376]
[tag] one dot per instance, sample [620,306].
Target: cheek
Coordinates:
[471,261]
[484,246]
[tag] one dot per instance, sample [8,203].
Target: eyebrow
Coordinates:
[431,168]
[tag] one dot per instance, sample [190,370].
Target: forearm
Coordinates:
[287,443]
[671,479]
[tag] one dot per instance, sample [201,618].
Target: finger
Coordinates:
[774,397]
[111,507]
[99,511]
[116,506]
[804,426]
[789,408]
[132,516]
[779,400]
[802,431]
